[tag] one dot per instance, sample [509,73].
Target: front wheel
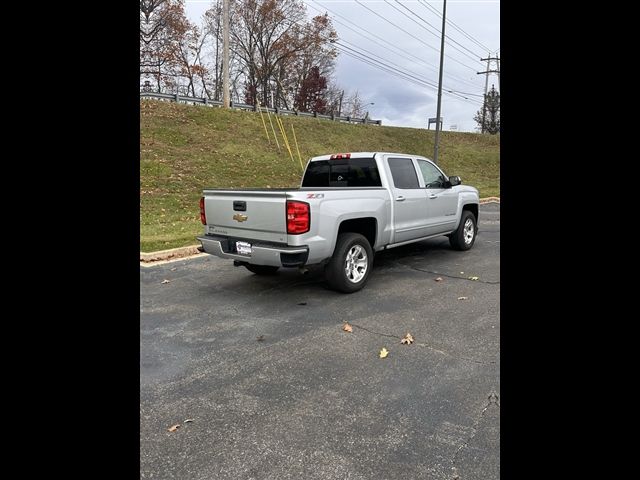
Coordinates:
[349,268]
[465,235]
[262,269]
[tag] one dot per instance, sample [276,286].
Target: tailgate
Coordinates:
[254,215]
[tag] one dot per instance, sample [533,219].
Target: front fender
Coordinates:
[468,196]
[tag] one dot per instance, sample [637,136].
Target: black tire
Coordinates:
[262,269]
[459,239]
[335,271]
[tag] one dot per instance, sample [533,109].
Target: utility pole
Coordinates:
[437,141]
[225,53]
[340,105]
[486,83]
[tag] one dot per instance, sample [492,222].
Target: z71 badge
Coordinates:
[315,195]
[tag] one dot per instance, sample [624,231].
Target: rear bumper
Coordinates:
[261,254]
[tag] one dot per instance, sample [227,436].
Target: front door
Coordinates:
[442,203]
[409,213]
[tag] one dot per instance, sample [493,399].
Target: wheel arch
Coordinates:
[365,226]
[473,208]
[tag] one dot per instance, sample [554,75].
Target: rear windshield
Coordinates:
[345,172]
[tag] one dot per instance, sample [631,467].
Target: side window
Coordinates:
[403,173]
[432,176]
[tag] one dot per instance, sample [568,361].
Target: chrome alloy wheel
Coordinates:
[356,264]
[469,231]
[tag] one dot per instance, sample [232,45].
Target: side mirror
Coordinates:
[455,180]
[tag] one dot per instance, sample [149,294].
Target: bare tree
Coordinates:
[162,27]
[334,95]
[272,39]
[189,55]
[353,106]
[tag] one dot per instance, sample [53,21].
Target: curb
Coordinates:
[192,250]
[172,254]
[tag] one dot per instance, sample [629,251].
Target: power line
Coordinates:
[398,51]
[403,70]
[467,93]
[380,67]
[398,73]
[425,4]
[411,35]
[473,55]
[399,69]
[387,67]
[454,25]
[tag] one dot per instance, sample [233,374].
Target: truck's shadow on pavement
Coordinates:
[292,279]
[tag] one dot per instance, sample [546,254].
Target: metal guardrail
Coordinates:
[174,97]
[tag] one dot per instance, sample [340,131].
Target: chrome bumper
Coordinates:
[275,256]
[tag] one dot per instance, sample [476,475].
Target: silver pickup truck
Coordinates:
[349,206]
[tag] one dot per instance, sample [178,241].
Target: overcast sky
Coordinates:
[398,101]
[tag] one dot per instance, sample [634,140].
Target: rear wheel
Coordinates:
[262,269]
[349,268]
[465,236]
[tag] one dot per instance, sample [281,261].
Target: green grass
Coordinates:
[185,148]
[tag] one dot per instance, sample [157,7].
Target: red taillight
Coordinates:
[298,217]
[203,216]
[340,156]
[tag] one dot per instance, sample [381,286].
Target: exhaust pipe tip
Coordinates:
[303,270]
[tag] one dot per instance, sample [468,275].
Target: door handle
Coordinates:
[399,198]
[432,195]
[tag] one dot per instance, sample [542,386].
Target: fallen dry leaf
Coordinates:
[347,328]
[384,352]
[407,340]
[473,278]
[462,298]
[174,427]
[188,420]
[439,279]
[165,281]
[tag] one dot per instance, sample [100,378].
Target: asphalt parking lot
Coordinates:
[277,390]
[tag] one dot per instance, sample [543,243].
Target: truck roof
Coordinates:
[363,155]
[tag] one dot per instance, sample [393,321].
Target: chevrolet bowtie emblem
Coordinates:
[240,217]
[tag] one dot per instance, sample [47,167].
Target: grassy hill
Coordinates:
[185,148]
